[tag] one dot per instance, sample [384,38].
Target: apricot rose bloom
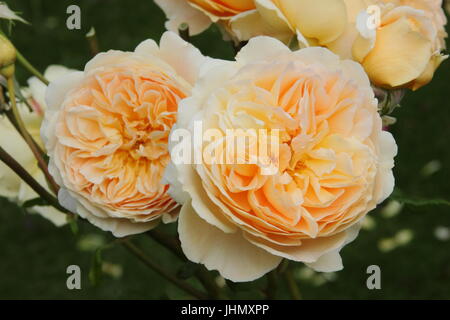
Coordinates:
[404,50]
[106,131]
[334,164]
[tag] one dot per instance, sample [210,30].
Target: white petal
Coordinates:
[176,189]
[261,49]
[309,251]
[179,11]
[58,89]
[66,200]
[329,262]
[56,217]
[332,261]
[118,227]
[232,255]
[272,15]
[8,14]
[385,179]
[325,57]
[186,59]
[249,24]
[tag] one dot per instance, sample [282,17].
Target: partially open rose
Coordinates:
[334,163]
[404,50]
[106,132]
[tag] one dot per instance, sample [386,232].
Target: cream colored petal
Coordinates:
[314,54]
[179,11]
[176,189]
[331,261]
[172,47]
[103,59]
[37,88]
[342,46]
[250,24]
[356,72]
[58,89]
[14,144]
[118,227]
[56,217]
[261,49]
[323,20]
[232,255]
[428,73]
[273,16]
[309,251]
[385,179]
[66,200]
[147,47]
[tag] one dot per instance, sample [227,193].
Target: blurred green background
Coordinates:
[410,244]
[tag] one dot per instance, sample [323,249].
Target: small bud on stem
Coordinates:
[8,57]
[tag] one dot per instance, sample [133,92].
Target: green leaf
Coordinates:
[35,202]
[416,201]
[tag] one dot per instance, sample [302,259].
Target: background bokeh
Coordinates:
[410,244]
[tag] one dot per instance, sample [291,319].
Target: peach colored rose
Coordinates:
[404,50]
[334,161]
[106,132]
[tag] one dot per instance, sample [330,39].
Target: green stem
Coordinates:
[169,243]
[183,31]
[27,137]
[162,272]
[292,285]
[272,285]
[25,176]
[173,245]
[27,65]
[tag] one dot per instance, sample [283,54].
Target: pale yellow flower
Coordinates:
[404,50]
[312,22]
[106,132]
[334,161]
[11,186]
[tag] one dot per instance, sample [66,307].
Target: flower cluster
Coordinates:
[398,42]
[164,133]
